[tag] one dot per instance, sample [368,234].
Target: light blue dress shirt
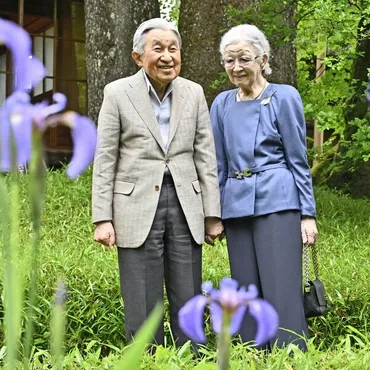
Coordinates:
[162,109]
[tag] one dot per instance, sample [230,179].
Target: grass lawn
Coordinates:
[95,336]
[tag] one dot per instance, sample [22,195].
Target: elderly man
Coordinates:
[155,187]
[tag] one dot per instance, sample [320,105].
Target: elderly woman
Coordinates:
[268,206]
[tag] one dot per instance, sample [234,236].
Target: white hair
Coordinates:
[139,39]
[250,34]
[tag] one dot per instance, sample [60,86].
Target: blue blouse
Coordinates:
[261,153]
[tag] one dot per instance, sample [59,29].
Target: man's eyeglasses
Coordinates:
[243,62]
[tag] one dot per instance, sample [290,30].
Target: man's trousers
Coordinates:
[168,255]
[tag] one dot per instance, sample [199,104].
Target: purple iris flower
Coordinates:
[20,117]
[228,302]
[29,70]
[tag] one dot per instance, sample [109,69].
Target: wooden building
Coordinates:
[58,36]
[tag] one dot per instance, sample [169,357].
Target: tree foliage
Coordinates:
[338,31]
[336,34]
[170,10]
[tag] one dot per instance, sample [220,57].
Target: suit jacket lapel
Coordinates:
[139,97]
[177,108]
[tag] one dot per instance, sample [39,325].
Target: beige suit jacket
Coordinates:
[130,159]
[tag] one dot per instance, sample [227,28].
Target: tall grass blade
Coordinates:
[132,357]
[37,192]
[58,326]
[17,279]
[9,299]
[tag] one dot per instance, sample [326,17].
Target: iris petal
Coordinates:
[207,287]
[22,131]
[83,132]
[237,319]
[228,283]
[247,295]
[16,120]
[216,317]
[37,71]
[59,105]
[28,71]
[19,43]
[229,297]
[191,318]
[267,320]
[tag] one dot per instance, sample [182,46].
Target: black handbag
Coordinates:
[314,298]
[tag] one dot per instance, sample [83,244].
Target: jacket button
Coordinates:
[156,188]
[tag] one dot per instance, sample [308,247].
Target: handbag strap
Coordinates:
[307,262]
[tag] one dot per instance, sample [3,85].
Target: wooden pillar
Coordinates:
[21,12]
[55,45]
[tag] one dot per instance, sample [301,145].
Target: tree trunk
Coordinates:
[110,26]
[358,105]
[202,24]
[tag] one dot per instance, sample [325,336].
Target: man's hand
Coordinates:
[214,229]
[104,234]
[309,230]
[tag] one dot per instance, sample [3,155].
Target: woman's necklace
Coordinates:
[242,98]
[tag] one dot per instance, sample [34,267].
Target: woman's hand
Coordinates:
[309,230]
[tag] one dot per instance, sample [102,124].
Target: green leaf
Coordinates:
[132,357]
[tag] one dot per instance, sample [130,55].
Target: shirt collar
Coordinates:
[151,88]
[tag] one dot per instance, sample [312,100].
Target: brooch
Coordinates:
[267,100]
